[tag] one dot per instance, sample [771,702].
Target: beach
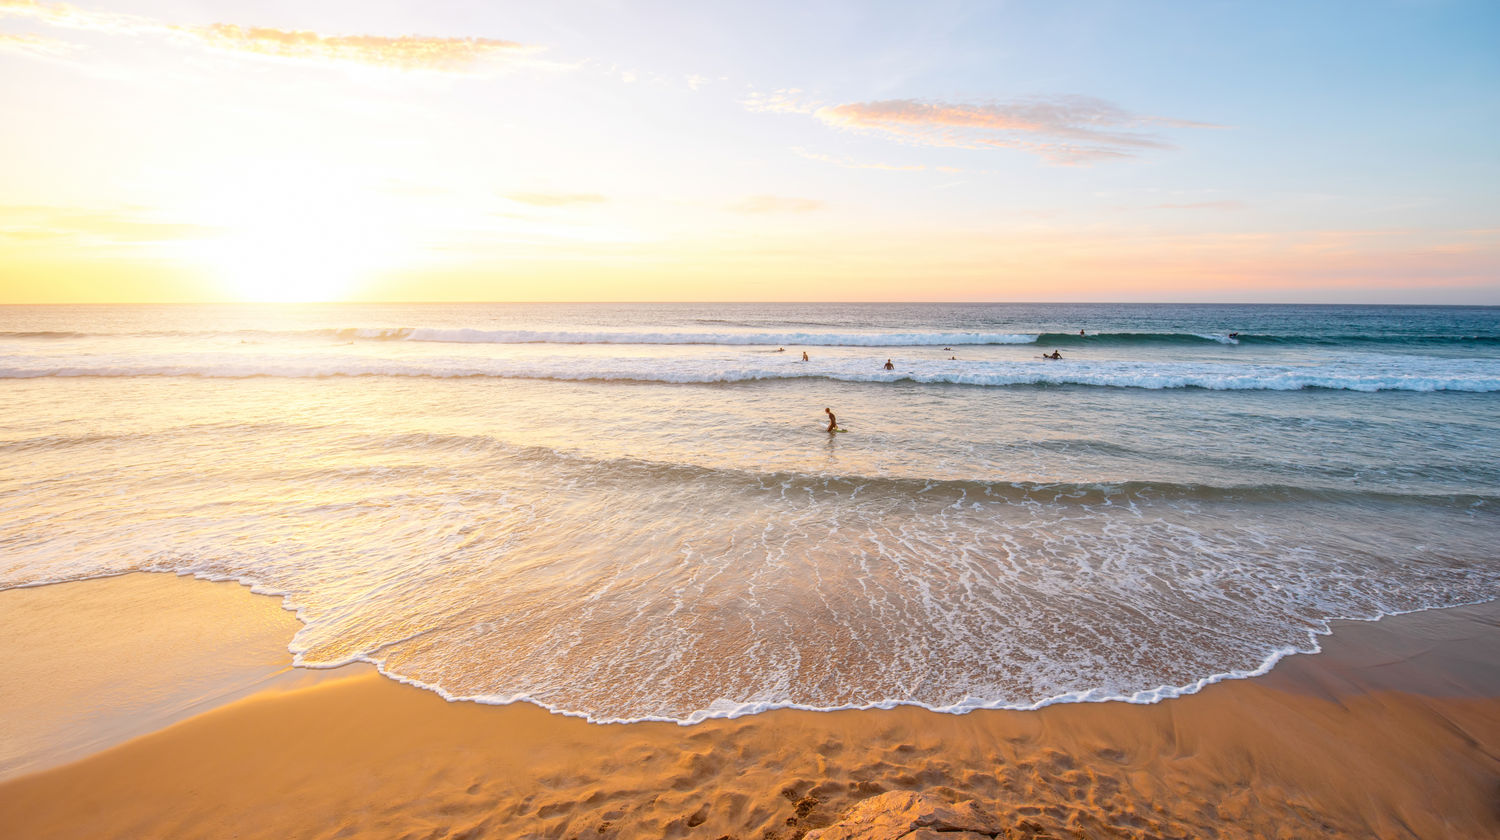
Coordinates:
[1393,730]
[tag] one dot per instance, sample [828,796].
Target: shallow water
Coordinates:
[634,512]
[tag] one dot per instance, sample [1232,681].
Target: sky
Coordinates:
[166,151]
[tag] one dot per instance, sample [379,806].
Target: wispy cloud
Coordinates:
[557,199]
[121,226]
[1065,130]
[34,45]
[72,17]
[783,101]
[776,204]
[854,164]
[1202,205]
[404,52]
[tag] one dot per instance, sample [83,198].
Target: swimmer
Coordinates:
[888,365]
[804,355]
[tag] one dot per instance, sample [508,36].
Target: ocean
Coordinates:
[634,512]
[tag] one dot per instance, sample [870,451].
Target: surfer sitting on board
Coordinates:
[804,355]
[833,422]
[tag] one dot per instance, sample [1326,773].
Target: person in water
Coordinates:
[1080,332]
[804,355]
[888,365]
[1056,354]
[833,422]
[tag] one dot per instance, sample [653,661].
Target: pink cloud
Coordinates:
[1064,130]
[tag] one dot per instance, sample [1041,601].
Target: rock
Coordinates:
[908,815]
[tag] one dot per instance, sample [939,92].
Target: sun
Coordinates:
[297,234]
[292,264]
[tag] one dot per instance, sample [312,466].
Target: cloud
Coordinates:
[1202,205]
[852,164]
[775,204]
[1065,130]
[72,17]
[404,52]
[121,226]
[34,45]
[557,199]
[783,101]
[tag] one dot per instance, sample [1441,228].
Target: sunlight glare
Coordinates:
[295,235]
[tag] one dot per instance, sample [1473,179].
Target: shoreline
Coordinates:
[1393,730]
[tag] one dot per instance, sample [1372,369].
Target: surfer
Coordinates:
[1234,335]
[1056,354]
[780,349]
[833,422]
[1080,332]
[888,365]
[804,355]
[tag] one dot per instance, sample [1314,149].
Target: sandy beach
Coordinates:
[1392,731]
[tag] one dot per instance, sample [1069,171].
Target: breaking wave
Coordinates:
[1476,377]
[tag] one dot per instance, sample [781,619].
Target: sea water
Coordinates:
[634,512]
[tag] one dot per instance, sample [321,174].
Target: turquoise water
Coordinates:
[633,511]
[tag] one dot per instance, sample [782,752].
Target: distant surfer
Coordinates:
[833,422]
[780,349]
[804,355]
[888,365]
[1080,332]
[1234,335]
[1056,354]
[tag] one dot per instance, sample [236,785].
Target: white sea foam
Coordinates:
[1348,375]
[779,339]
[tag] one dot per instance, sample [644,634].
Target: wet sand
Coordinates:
[1393,731]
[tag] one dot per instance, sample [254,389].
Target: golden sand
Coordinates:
[1394,731]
